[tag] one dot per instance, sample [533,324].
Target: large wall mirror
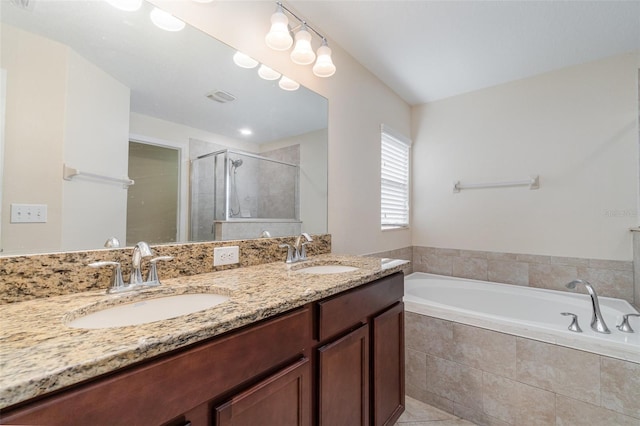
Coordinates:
[94,96]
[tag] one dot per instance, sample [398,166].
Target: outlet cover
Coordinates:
[226,255]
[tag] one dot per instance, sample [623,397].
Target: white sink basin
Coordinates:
[149,310]
[328,269]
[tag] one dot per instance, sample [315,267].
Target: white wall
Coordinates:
[577,128]
[96,140]
[358,104]
[36,70]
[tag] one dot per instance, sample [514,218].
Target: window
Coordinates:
[394,174]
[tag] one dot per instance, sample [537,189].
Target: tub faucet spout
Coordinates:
[597,321]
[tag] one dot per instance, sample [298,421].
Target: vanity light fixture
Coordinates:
[288,84]
[279,38]
[324,66]
[165,20]
[267,73]
[244,61]
[302,53]
[126,5]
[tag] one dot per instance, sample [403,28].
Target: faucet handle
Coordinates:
[574,326]
[292,256]
[624,326]
[117,283]
[152,275]
[303,251]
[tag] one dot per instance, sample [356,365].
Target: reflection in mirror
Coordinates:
[107,92]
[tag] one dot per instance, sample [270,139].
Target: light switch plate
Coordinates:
[28,213]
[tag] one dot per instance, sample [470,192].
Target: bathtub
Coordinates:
[524,311]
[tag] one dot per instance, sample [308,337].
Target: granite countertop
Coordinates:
[39,353]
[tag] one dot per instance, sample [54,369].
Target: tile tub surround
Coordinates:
[40,354]
[45,275]
[493,378]
[405,253]
[611,278]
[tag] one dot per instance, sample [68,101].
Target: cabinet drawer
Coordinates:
[342,312]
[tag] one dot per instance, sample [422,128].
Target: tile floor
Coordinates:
[417,413]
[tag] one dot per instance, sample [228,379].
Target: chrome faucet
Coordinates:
[597,321]
[301,247]
[140,251]
[298,251]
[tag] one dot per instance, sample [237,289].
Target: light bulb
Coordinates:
[267,73]
[244,61]
[126,5]
[286,83]
[165,20]
[278,37]
[324,66]
[302,53]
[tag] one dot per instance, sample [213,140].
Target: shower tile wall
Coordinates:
[278,191]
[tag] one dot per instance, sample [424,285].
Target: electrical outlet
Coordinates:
[226,255]
[28,213]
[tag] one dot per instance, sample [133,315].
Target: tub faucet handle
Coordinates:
[574,326]
[624,326]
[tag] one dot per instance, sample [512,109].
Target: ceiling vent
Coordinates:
[24,4]
[220,96]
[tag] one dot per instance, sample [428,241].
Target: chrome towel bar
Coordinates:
[533,183]
[70,172]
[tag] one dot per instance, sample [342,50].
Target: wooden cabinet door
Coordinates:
[343,388]
[283,399]
[388,365]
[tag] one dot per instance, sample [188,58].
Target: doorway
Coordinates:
[153,202]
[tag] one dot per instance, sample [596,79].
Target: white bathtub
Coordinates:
[523,311]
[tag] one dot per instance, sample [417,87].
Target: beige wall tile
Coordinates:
[415,370]
[571,261]
[508,272]
[611,264]
[533,258]
[620,386]
[470,267]
[474,253]
[571,412]
[430,335]
[485,350]
[610,282]
[551,276]
[438,402]
[436,264]
[562,370]
[517,403]
[454,381]
[502,256]
[478,417]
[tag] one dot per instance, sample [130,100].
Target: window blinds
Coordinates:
[394,173]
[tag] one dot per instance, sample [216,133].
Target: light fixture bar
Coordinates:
[302,21]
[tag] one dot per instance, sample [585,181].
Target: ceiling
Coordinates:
[430,50]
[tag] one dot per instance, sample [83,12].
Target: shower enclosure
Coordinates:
[237,195]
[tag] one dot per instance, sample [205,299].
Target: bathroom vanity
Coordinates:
[332,353]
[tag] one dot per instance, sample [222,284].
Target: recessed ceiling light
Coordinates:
[165,20]
[246,132]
